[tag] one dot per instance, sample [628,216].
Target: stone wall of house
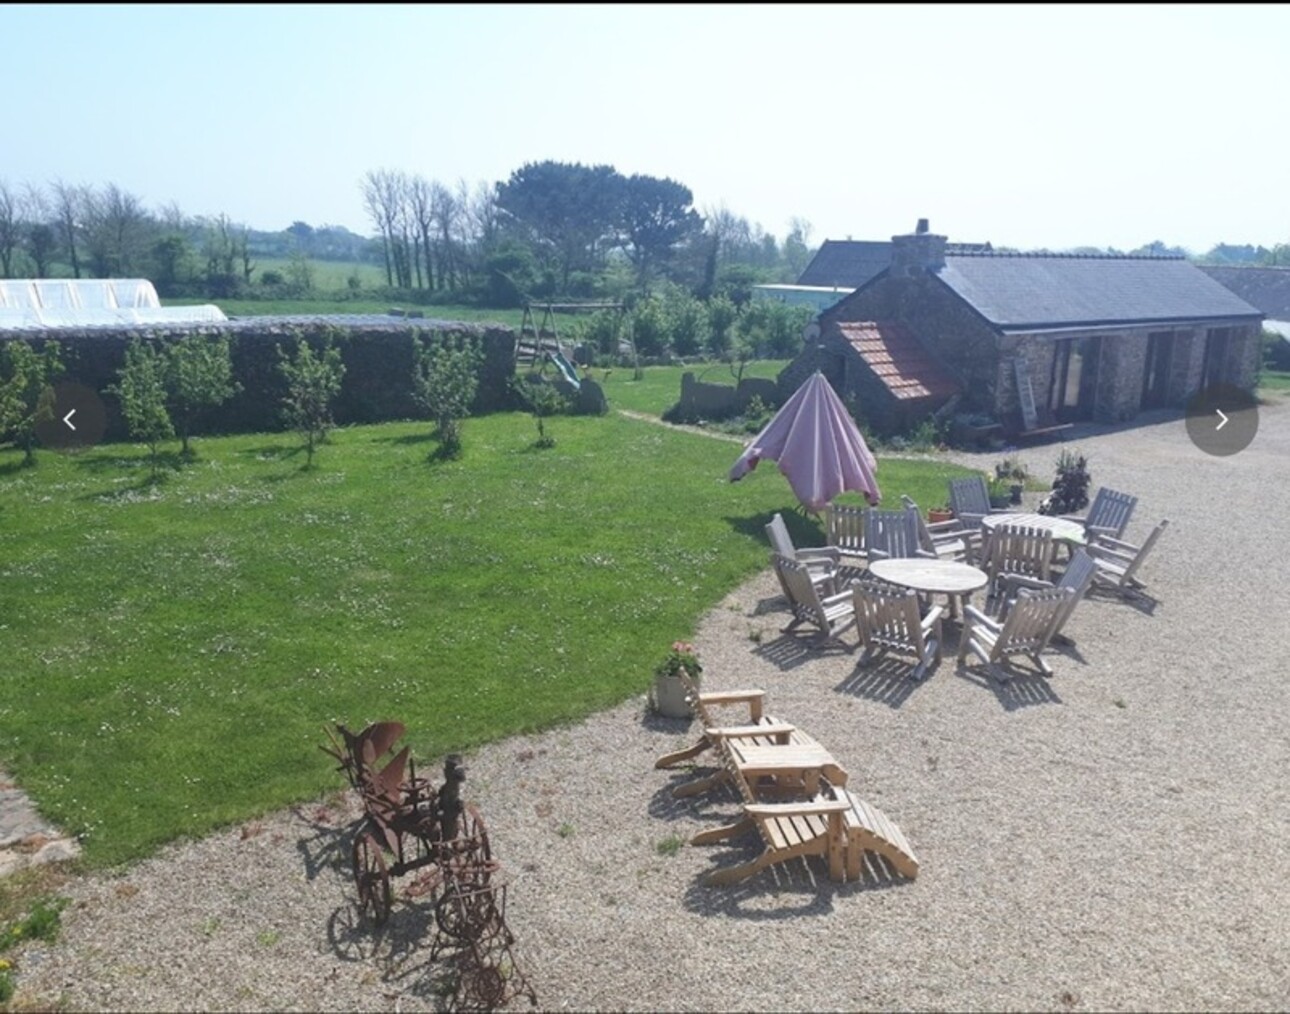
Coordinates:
[1245,352]
[821,355]
[1184,367]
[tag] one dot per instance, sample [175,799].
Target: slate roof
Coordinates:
[898,359]
[846,264]
[1027,292]
[1266,289]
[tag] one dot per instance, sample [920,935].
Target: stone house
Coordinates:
[1097,337]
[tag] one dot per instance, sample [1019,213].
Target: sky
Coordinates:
[1024,126]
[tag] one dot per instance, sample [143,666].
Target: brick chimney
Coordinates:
[917,255]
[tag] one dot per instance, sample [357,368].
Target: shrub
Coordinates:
[141,386]
[26,395]
[1070,488]
[446,376]
[313,381]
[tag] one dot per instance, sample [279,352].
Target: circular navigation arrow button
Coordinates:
[1222,419]
[78,419]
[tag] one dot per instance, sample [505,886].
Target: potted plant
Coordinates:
[669,694]
[999,494]
[939,515]
[1012,473]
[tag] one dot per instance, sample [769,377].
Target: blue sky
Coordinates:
[1026,126]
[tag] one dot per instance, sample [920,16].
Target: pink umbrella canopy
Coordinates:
[818,446]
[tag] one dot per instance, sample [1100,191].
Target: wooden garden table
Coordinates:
[932,577]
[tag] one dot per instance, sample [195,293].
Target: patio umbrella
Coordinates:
[818,446]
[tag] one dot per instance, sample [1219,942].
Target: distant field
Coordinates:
[327,275]
[278,307]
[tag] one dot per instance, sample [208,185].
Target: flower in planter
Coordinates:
[681,656]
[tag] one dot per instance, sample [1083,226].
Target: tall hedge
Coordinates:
[377,353]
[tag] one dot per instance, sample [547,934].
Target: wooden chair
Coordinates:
[1118,562]
[970,501]
[836,824]
[788,831]
[761,729]
[1032,618]
[1108,515]
[889,619]
[892,535]
[1078,577]
[832,614]
[949,540]
[1018,549]
[822,561]
[844,528]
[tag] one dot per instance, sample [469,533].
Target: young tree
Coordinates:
[199,374]
[542,400]
[313,381]
[26,391]
[141,386]
[445,379]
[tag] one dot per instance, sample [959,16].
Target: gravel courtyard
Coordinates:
[1114,838]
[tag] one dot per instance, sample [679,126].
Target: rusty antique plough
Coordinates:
[409,825]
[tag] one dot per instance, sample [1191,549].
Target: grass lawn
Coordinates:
[661,386]
[173,651]
[325,306]
[1274,382]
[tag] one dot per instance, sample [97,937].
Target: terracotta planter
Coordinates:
[668,697]
[935,516]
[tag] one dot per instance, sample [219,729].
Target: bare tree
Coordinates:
[10,228]
[115,229]
[419,190]
[446,211]
[39,233]
[383,195]
[69,208]
[243,244]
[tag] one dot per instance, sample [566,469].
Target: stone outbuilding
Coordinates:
[1096,337]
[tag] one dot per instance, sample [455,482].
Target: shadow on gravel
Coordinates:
[800,887]
[1141,601]
[886,681]
[1021,691]
[717,805]
[329,840]
[765,607]
[788,651]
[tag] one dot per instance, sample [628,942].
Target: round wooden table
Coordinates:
[1063,530]
[932,577]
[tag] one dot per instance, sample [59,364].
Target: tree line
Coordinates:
[551,229]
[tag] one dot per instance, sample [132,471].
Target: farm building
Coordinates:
[1031,340]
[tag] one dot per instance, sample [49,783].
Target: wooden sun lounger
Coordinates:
[832,822]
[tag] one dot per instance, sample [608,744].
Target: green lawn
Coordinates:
[173,651]
[660,387]
[1274,381]
[326,274]
[325,306]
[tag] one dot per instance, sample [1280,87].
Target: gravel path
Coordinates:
[1112,839]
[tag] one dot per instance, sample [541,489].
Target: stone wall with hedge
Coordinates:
[377,353]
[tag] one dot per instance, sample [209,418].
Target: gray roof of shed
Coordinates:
[846,264]
[1268,289]
[1032,291]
